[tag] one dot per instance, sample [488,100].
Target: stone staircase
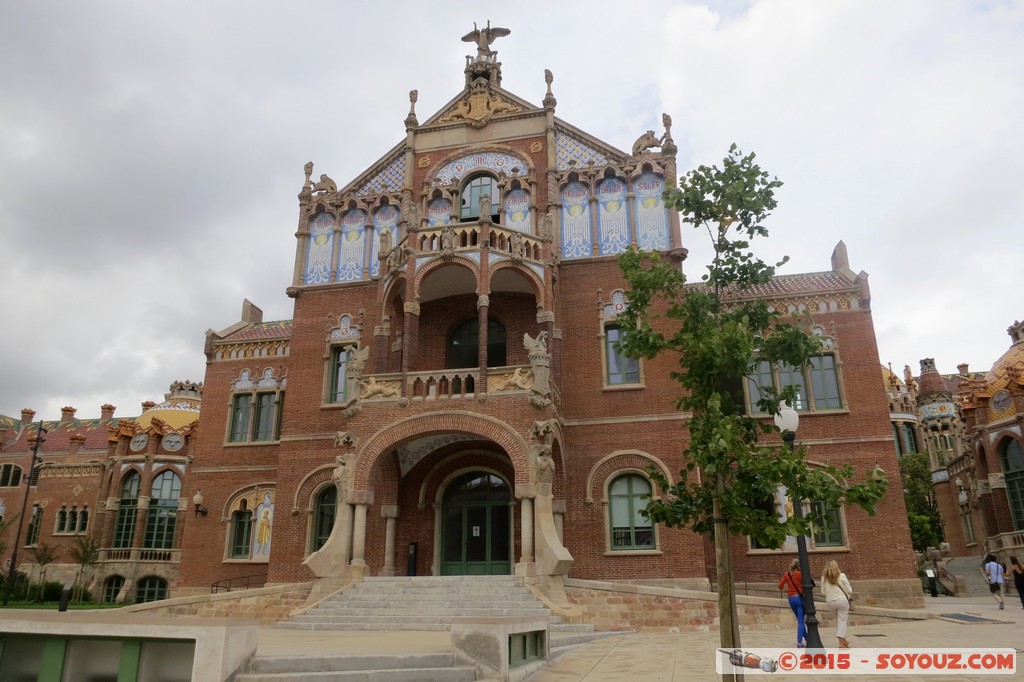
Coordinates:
[970,568]
[410,604]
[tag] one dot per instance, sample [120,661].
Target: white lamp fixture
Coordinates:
[197,500]
[787,419]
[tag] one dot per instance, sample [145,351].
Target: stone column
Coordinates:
[526,530]
[359,536]
[390,514]
[482,305]
[558,509]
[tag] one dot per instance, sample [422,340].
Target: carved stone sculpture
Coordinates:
[342,475]
[325,185]
[372,389]
[540,366]
[645,142]
[483,37]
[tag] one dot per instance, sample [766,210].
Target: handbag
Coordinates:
[848,598]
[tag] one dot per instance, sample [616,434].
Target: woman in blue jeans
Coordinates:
[792,582]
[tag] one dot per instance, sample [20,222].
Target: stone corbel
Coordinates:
[545,316]
[412,307]
[361,497]
[483,301]
[346,439]
[389,511]
[143,502]
[525,491]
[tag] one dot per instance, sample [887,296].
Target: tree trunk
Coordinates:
[728,623]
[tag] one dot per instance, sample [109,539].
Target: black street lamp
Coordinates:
[24,505]
[788,420]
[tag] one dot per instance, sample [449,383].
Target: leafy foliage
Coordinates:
[919,497]
[717,330]
[85,551]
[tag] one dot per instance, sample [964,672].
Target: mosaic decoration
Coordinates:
[353,238]
[321,244]
[263,517]
[244,382]
[439,212]
[267,380]
[617,305]
[389,179]
[344,330]
[496,162]
[411,453]
[651,216]
[612,216]
[570,149]
[517,211]
[384,218]
[576,241]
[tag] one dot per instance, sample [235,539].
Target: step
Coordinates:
[281,664]
[363,625]
[515,609]
[462,674]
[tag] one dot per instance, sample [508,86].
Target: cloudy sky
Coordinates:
[150,154]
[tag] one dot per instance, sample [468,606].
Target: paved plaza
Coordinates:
[679,657]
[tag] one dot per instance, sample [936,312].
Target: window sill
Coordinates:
[810,550]
[249,443]
[248,560]
[624,387]
[632,552]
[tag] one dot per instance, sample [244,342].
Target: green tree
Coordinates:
[717,330]
[43,555]
[919,496]
[85,551]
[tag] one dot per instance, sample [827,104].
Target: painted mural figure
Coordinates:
[264,526]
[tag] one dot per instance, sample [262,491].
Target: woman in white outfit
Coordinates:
[838,595]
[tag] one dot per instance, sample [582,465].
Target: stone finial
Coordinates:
[67,413]
[1016,331]
[549,98]
[411,121]
[483,37]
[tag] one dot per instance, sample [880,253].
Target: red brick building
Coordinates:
[447,399]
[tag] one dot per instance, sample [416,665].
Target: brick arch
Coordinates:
[309,485]
[489,428]
[437,263]
[455,465]
[531,276]
[628,460]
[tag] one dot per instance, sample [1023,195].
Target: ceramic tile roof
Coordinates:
[58,436]
[799,284]
[9,422]
[176,412]
[281,329]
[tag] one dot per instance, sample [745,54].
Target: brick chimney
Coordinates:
[67,414]
[75,443]
[27,416]
[107,411]
[147,405]
[962,368]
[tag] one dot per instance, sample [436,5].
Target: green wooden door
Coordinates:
[477,526]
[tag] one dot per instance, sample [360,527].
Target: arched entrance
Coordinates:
[476,526]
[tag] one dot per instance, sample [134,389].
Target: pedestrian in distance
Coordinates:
[994,574]
[1017,570]
[793,582]
[838,598]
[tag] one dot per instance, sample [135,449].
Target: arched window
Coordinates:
[163,511]
[1012,456]
[464,344]
[472,190]
[151,588]
[112,587]
[124,526]
[241,531]
[629,528]
[325,510]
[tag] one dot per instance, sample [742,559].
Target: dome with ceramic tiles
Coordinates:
[1011,362]
[179,408]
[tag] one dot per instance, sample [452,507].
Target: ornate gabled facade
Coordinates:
[116,481]
[447,397]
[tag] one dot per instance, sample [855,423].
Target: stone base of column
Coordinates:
[354,572]
[387,572]
[526,569]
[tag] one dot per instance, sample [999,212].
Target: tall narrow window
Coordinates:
[124,525]
[265,422]
[340,357]
[83,520]
[825,383]
[472,191]
[34,524]
[325,511]
[1013,468]
[163,511]
[828,529]
[760,376]
[241,531]
[621,370]
[241,407]
[792,376]
[629,528]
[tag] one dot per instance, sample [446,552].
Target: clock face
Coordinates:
[1001,400]
[173,442]
[139,441]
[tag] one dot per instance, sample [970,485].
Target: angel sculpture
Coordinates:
[483,37]
[535,345]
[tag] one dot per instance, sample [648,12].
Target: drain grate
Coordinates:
[870,635]
[967,618]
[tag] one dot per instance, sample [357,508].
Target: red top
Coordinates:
[793,581]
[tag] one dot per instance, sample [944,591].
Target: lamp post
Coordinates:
[24,505]
[788,420]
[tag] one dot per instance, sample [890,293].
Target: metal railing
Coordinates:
[245,582]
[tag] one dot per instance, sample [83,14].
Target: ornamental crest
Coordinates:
[479,107]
